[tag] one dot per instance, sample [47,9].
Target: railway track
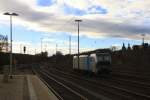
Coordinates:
[143,82]
[65,92]
[127,76]
[123,77]
[90,95]
[124,92]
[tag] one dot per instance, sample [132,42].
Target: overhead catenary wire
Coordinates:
[68,21]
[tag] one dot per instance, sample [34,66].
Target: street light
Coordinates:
[78,21]
[11,14]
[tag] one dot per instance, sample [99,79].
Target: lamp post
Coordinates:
[11,56]
[78,21]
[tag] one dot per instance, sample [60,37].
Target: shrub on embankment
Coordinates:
[20,58]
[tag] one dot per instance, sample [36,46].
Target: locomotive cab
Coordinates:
[103,62]
[97,62]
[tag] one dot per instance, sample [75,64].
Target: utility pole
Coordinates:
[143,35]
[70,45]
[11,56]
[78,21]
[45,46]
[41,45]
[56,48]
[56,56]
[20,48]
[35,51]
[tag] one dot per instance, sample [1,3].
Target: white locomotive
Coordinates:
[99,62]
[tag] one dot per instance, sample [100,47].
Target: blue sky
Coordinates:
[105,23]
[45,2]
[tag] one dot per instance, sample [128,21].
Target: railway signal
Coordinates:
[24,49]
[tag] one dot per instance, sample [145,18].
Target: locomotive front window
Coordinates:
[100,58]
[106,58]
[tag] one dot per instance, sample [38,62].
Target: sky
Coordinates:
[105,23]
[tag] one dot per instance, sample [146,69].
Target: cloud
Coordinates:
[97,10]
[74,11]
[112,29]
[101,18]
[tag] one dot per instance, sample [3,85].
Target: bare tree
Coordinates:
[3,43]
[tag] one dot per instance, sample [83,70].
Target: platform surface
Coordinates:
[25,87]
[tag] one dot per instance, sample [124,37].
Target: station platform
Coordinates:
[25,87]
